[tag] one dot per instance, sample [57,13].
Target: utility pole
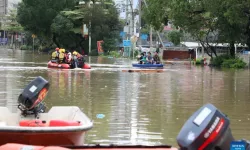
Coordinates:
[151,39]
[132,18]
[139,30]
[127,19]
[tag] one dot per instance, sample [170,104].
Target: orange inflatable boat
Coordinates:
[66,66]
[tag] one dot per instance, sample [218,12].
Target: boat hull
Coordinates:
[65,66]
[148,65]
[44,139]
[144,70]
[97,147]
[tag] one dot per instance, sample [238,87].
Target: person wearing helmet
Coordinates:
[81,60]
[75,59]
[55,56]
[61,56]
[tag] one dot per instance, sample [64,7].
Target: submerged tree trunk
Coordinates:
[206,49]
[213,50]
[247,32]
[55,41]
[232,49]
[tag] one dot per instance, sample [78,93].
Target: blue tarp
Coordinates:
[144,36]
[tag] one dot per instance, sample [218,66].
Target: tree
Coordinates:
[10,22]
[105,24]
[37,16]
[175,36]
[156,14]
[60,21]
[226,21]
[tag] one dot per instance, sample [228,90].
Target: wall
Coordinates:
[177,54]
[3,7]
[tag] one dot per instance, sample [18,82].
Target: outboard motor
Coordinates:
[30,100]
[207,129]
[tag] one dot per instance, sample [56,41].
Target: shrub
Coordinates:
[217,61]
[234,63]
[227,61]
[198,61]
[115,54]
[93,52]
[24,47]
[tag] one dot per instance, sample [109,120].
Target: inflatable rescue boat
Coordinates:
[148,65]
[61,125]
[66,66]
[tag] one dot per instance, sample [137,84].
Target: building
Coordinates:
[121,6]
[6,5]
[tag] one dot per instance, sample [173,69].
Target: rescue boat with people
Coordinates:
[63,59]
[66,66]
[61,125]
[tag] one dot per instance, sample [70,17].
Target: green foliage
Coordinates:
[219,60]
[10,22]
[60,22]
[198,61]
[234,63]
[175,37]
[228,61]
[61,25]
[207,21]
[108,45]
[37,16]
[26,47]
[114,54]
[156,14]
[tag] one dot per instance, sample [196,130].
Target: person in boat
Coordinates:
[61,56]
[143,58]
[81,60]
[156,58]
[77,60]
[69,57]
[55,55]
[139,58]
[149,58]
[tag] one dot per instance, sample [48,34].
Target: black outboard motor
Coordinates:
[207,129]
[30,100]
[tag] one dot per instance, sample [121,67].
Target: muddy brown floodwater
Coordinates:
[139,108]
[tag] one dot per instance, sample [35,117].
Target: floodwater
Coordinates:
[139,108]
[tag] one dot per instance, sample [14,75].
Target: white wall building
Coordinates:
[121,6]
[6,5]
[125,12]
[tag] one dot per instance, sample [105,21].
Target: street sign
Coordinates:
[126,43]
[33,36]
